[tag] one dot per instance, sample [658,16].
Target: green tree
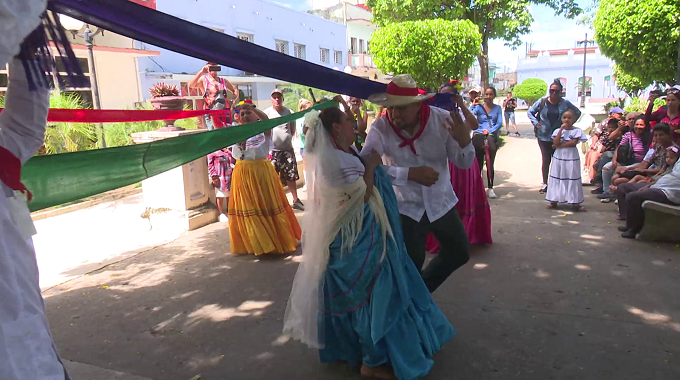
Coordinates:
[632,85]
[641,36]
[506,20]
[68,137]
[531,90]
[432,51]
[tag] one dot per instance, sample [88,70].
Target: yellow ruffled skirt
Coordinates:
[260,218]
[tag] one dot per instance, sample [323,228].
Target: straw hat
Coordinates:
[401,91]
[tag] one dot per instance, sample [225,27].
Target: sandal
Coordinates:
[552,206]
[579,209]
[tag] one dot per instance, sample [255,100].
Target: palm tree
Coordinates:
[65,137]
[579,84]
[68,137]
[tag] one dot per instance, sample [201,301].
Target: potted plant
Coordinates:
[167,97]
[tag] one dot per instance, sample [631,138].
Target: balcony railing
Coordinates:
[361,60]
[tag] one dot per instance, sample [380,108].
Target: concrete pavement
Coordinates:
[558,296]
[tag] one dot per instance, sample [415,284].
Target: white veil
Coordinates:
[330,210]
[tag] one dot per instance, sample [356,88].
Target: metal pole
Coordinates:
[88,36]
[583,78]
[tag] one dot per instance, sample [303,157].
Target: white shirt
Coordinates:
[26,347]
[670,184]
[435,147]
[257,148]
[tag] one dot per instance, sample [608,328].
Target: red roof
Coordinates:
[364,7]
[577,50]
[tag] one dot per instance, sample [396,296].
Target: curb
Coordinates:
[41,215]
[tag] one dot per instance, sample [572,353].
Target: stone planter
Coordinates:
[169,103]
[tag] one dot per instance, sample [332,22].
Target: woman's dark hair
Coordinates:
[329,116]
[493,89]
[663,127]
[557,83]
[646,134]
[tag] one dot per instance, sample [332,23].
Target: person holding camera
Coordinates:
[670,114]
[215,96]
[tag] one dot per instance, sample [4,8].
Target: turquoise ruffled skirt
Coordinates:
[380,312]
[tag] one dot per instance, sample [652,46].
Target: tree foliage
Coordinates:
[531,90]
[641,36]
[630,84]
[506,20]
[432,51]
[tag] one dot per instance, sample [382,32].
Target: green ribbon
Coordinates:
[61,178]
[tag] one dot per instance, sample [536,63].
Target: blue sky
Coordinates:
[547,32]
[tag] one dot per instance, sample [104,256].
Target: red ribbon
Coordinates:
[424,118]
[393,89]
[10,172]
[57,115]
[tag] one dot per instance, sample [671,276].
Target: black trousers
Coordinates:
[478,143]
[547,152]
[630,203]
[454,251]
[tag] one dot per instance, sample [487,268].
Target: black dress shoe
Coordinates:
[630,234]
[623,228]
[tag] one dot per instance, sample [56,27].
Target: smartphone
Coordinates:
[215,68]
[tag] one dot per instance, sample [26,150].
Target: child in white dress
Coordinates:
[564,185]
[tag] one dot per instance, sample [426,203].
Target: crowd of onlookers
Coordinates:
[632,159]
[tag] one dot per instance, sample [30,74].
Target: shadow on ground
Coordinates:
[558,296]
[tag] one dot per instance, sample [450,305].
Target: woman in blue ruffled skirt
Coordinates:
[357,296]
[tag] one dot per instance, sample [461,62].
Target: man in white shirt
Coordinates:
[416,142]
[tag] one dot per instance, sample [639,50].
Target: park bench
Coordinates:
[662,222]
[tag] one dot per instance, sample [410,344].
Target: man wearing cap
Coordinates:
[26,347]
[416,142]
[283,154]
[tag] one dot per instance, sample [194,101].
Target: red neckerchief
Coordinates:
[10,172]
[424,118]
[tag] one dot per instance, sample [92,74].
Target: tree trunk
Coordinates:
[483,60]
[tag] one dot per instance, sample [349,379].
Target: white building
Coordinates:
[267,24]
[358,19]
[567,64]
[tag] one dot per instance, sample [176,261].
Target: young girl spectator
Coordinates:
[672,154]
[221,165]
[565,184]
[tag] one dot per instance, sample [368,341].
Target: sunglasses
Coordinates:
[555,91]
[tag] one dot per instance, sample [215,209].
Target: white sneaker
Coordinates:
[223,218]
[491,194]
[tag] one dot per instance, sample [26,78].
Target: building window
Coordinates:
[300,51]
[353,45]
[361,47]
[589,86]
[368,47]
[325,55]
[282,47]
[246,37]
[338,57]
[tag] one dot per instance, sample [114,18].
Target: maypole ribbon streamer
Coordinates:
[60,115]
[157,28]
[61,178]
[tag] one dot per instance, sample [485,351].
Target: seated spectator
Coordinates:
[631,151]
[601,145]
[666,189]
[624,127]
[649,166]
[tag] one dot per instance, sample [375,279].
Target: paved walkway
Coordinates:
[558,296]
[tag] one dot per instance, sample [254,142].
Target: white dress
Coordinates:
[26,347]
[564,184]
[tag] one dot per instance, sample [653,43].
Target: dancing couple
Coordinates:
[357,296]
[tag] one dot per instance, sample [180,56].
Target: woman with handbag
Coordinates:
[485,138]
[214,95]
[632,149]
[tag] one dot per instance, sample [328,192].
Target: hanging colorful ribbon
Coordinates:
[58,115]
